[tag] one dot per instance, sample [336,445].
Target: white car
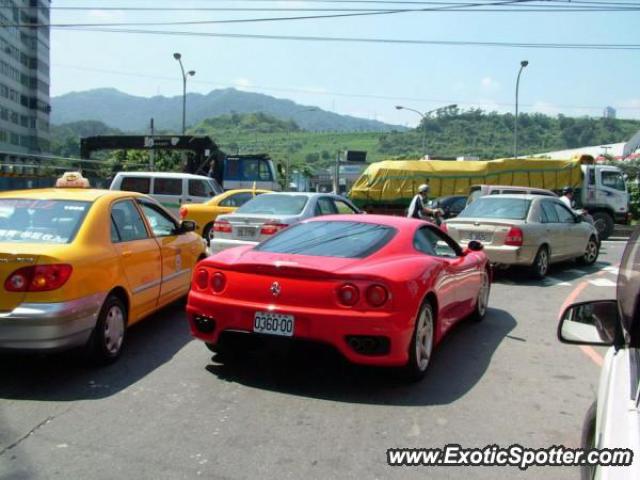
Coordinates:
[613,421]
[263,216]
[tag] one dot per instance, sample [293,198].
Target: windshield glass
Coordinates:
[40,221]
[613,180]
[275,204]
[330,239]
[497,207]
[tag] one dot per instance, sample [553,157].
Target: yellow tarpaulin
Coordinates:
[396,181]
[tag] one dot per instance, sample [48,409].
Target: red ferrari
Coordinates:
[382,290]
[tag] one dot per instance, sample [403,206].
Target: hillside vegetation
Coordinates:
[454,133]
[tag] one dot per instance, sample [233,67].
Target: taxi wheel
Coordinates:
[207,233]
[105,344]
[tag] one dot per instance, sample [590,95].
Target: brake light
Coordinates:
[377,295]
[270,228]
[348,295]
[218,282]
[38,278]
[202,279]
[514,237]
[222,226]
[444,228]
[184,211]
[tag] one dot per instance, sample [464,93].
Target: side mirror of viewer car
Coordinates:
[589,323]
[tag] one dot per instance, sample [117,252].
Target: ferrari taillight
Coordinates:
[222,226]
[270,228]
[38,278]
[202,279]
[348,294]
[218,282]
[377,295]
[514,237]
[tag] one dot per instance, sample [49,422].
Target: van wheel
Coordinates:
[588,441]
[540,266]
[590,253]
[106,341]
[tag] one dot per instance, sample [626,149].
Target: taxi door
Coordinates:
[179,252]
[139,257]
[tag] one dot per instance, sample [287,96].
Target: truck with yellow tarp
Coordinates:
[389,186]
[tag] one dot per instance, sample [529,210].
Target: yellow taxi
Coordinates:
[205,214]
[78,266]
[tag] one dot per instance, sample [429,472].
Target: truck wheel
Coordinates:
[604,224]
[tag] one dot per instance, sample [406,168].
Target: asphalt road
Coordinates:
[166,410]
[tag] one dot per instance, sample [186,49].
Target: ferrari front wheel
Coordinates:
[421,345]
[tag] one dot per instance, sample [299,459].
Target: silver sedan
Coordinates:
[529,230]
[263,216]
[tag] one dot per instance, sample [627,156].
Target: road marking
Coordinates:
[572,296]
[602,282]
[553,282]
[576,271]
[612,269]
[592,354]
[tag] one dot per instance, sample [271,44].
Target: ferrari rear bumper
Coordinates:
[367,338]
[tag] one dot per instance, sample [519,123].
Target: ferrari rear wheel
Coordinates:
[421,345]
[482,301]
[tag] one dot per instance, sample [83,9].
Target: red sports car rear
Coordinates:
[381,290]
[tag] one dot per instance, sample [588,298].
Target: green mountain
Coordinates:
[131,113]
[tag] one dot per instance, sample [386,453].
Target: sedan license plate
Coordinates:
[273,324]
[480,236]
[246,231]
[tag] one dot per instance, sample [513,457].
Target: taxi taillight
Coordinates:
[184,211]
[38,278]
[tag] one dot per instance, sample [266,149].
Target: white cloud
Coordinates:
[488,83]
[243,84]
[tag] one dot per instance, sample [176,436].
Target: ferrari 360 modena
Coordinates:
[382,290]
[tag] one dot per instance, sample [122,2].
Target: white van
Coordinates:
[172,190]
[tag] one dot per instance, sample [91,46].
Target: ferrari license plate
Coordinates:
[273,324]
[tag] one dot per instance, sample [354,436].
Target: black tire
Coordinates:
[604,224]
[416,367]
[540,266]
[206,232]
[591,253]
[482,302]
[107,339]
[588,440]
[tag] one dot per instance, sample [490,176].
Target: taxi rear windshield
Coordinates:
[330,239]
[40,221]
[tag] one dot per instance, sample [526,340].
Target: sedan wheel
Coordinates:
[540,265]
[590,253]
[421,345]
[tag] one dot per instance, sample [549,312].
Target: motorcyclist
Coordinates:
[418,208]
[567,196]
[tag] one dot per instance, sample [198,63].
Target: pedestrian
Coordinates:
[417,207]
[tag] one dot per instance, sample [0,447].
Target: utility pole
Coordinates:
[152,152]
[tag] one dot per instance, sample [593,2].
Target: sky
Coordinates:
[361,79]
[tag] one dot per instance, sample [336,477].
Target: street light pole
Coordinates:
[523,64]
[191,73]
[424,116]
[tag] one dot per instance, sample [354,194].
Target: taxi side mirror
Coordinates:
[186,226]
[589,323]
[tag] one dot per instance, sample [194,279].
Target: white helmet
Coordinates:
[423,188]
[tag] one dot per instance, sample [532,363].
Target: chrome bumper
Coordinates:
[218,244]
[50,326]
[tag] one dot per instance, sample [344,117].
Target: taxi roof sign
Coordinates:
[72,180]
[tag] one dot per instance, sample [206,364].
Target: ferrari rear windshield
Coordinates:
[330,239]
[498,208]
[40,221]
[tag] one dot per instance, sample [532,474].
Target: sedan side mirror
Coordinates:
[589,323]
